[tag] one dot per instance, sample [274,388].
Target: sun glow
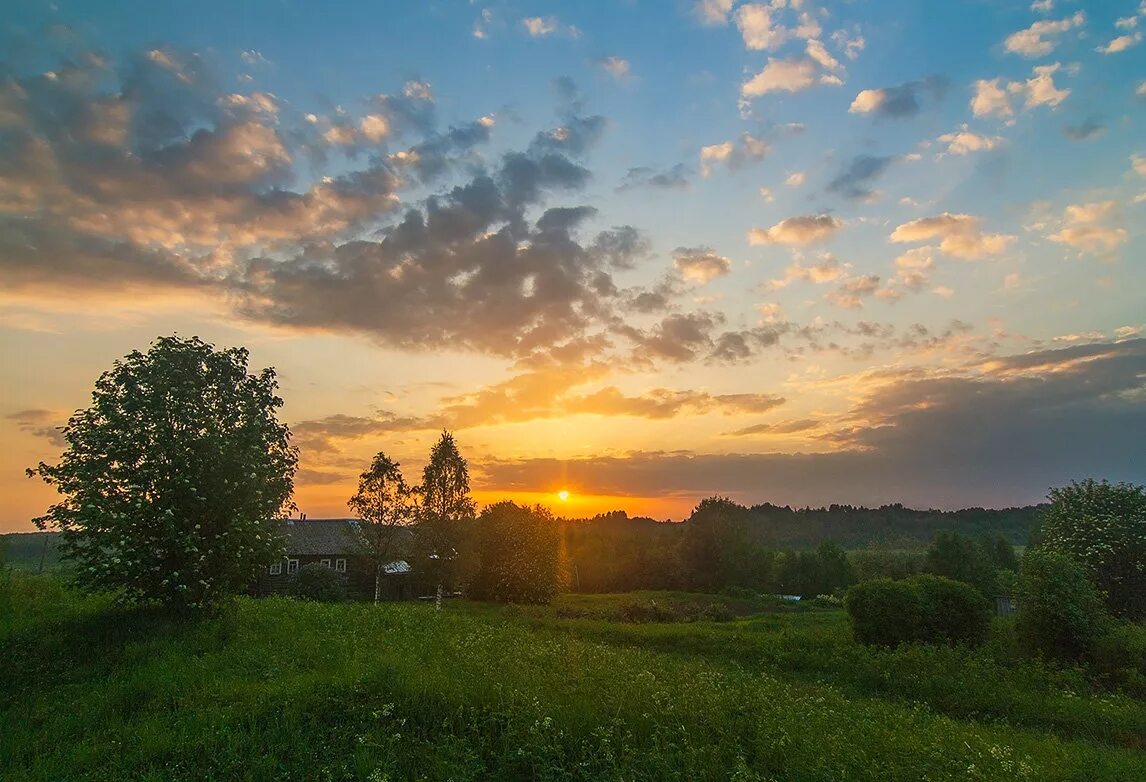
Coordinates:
[563,495]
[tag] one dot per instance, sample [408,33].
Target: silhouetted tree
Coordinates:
[388,510]
[520,555]
[173,476]
[958,556]
[446,506]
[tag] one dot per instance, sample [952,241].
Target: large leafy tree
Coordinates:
[388,510]
[173,476]
[1102,526]
[520,551]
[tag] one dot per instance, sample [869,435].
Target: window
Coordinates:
[340,565]
[292,566]
[324,562]
[277,569]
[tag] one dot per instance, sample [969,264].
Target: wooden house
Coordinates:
[332,543]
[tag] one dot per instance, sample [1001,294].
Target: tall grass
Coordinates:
[276,689]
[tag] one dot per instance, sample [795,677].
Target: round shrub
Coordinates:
[318,582]
[1061,614]
[953,611]
[884,612]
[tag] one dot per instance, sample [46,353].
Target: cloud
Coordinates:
[899,102]
[959,235]
[827,269]
[787,75]
[797,231]
[675,178]
[759,30]
[1089,128]
[1121,43]
[855,180]
[41,423]
[965,141]
[617,67]
[995,99]
[700,265]
[733,154]
[993,434]
[851,293]
[851,45]
[713,12]
[1094,228]
[990,99]
[1138,164]
[780,427]
[1040,38]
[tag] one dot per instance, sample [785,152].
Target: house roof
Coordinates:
[316,537]
[322,536]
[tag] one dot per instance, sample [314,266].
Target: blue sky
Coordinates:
[771,224]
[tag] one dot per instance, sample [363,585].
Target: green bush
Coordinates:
[1061,614]
[1120,658]
[953,611]
[318,582]
[926,608]
[885,612]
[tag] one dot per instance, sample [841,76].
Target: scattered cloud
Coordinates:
[700,265]
[824,270]
[713,12]
[959,234]
[545,26]
[856,178]
[733,154]
[1089,128]
[41,423]
[851,293]
[992,98]
[964,141]
[899,102]
[797,231]
[1041,37]
[617,67]
[675,178]
[1094,228]
[791,74]
[795,179]
[1121,43]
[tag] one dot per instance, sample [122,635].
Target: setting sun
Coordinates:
[563,495]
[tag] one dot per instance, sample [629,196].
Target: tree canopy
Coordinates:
[173,476]
[388,509]
[1102,526]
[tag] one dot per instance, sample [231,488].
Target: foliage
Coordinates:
[518,548]
[173,476]
[953,611]
[314,581]
[279,689]
[1103,526]
[885,612]
[446,507]
[388,510]
[1061,614]
[1120,657]
[925,608]
[961,558]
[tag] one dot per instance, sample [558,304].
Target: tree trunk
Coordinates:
[377,583]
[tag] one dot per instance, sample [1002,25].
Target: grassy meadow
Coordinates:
[640,686]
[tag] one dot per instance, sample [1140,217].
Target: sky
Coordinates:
[644,252]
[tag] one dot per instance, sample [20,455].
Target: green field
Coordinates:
[744,689]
